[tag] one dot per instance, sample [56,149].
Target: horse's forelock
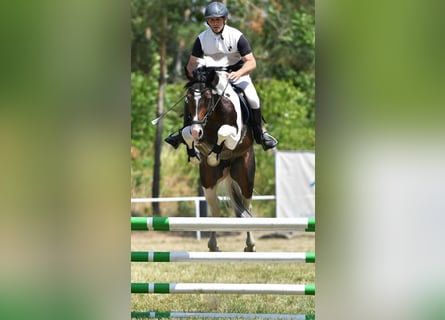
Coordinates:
[209,77]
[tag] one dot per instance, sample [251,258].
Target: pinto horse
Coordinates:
[223,143]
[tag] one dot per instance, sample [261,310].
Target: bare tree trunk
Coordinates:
[160,109]
[178,62]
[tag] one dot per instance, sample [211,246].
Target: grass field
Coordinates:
[286,273]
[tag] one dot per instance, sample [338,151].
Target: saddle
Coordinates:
[245,109]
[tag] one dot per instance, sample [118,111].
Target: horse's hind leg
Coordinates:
[243,172]
[212,203]
[250,243]
[244,211]
[212,244]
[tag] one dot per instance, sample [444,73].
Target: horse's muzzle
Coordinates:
[197,131]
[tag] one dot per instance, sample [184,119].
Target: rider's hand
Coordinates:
[233,76]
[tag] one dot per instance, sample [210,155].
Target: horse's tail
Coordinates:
[238,201]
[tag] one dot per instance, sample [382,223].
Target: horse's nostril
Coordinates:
[197,132]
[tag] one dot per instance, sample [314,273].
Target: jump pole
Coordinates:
[210,315]
[229,288]
[183,256]
[222,224]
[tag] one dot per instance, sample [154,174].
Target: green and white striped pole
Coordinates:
[178,256]
[211,315]
[222,224]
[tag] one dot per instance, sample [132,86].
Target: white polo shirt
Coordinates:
[223,49]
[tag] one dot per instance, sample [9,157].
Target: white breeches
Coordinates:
[245,83]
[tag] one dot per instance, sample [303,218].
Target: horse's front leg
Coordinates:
[214,157]
[213,208]
[227,135]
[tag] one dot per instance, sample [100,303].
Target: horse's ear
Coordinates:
[187,74]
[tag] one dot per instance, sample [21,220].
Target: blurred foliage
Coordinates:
[282,36]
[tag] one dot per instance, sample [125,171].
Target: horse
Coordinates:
[223,143]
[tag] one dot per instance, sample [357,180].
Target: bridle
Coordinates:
[213,104]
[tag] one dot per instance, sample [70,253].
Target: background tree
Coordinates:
[159,20]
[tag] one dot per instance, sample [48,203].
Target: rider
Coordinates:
[227,47]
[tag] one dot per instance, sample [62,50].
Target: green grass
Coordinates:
[286,273]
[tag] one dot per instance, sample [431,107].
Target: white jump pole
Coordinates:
[229,288]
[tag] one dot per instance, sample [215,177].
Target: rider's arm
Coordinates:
[197,52]
[248,66]
[191,65]
[247,57]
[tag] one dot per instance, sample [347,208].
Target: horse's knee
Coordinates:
[230,135]
[213,159]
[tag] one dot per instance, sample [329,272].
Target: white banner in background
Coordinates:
[295,184]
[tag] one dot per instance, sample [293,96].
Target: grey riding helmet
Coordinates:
[215,10]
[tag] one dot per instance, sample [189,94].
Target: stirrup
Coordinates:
[268,142]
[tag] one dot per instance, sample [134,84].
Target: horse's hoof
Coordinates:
[216,249]
[250,249]
[213,159]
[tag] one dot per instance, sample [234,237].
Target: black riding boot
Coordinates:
[175,140]
[263,138]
